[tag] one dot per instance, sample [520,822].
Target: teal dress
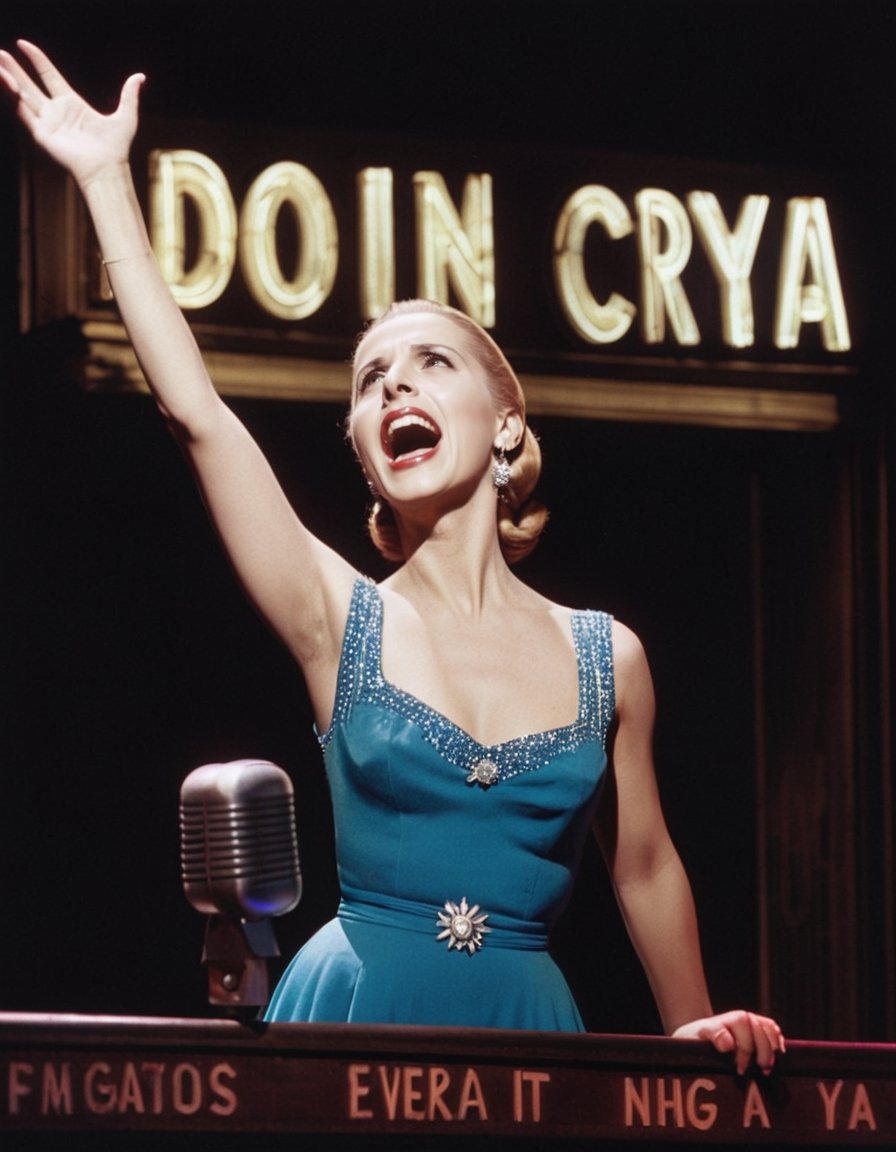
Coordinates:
[454,859]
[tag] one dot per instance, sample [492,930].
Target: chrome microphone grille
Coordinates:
[239,850]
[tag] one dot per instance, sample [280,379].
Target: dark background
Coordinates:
[130,656]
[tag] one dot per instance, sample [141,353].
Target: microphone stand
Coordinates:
[236,955]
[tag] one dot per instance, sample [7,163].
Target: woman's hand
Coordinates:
[750,1036]
[78,137]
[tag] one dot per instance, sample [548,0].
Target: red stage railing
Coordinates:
[397,1087]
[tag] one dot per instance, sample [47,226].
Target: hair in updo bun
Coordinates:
[520,518]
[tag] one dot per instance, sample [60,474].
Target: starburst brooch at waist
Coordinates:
[462,926]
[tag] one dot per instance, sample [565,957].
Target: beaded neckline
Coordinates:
[361,679]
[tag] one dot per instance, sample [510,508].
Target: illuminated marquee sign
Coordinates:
[456,251]
[625,288]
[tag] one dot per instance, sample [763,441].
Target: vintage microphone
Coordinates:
[240,865]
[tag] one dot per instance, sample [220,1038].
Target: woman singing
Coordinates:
[473,731]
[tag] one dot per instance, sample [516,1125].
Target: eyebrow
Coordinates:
[378,362]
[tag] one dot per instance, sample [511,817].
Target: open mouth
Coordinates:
[409,435]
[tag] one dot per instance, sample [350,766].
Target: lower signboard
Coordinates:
[70,1074]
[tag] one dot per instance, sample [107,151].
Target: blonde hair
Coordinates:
[520,518]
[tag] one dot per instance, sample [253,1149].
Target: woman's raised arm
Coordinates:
[298,584]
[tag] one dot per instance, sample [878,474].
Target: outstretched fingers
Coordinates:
[31,98]
[21,84]
[47,72]
[10,74]
[21,87]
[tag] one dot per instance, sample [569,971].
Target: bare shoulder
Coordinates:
[628,651]
[631,671]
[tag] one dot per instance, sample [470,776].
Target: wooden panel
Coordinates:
[68,1074]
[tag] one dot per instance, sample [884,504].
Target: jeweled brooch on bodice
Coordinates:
[484,773]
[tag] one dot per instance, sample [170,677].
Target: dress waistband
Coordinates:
[431,920]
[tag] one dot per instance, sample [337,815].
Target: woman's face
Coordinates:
[423,418]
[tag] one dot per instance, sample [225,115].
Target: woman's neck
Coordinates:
[457,562]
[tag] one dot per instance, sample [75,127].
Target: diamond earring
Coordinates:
[500,471]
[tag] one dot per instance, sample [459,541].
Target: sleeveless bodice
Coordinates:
[431,824]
